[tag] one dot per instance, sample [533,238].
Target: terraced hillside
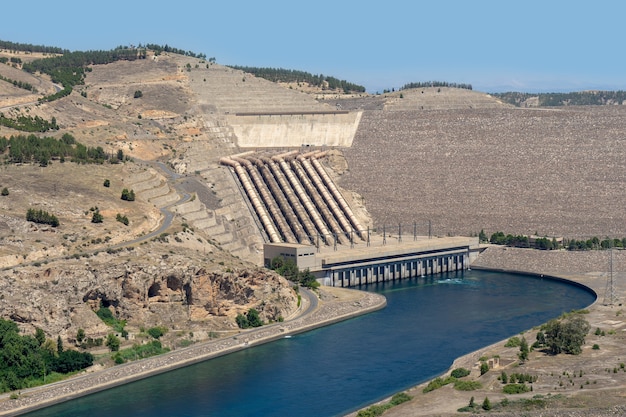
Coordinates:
[440,98]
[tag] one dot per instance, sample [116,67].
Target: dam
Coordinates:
[302,215]
[296,211]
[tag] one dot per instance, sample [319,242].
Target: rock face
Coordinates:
[148,289]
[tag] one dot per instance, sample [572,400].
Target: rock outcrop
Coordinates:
[146,287]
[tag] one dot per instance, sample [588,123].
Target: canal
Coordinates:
[428,322]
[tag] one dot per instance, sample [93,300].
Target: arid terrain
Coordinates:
[189,257]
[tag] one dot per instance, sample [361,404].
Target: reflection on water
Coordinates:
[331,371]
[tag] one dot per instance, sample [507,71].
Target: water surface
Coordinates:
[428,322]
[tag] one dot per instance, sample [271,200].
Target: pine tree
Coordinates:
[523,350]
[486,404]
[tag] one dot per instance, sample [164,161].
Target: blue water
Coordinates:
[427,323]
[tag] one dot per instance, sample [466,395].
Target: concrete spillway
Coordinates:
[292,198]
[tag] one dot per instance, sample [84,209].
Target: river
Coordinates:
[428,322]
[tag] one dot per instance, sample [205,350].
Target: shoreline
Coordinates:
[341,308]
[328,312]
[579,269]
[474,355]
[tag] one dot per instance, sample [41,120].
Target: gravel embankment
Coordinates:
[555,172]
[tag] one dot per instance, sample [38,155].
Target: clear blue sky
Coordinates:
[495,45]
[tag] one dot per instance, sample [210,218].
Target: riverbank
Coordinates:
[590,384]
[334,305]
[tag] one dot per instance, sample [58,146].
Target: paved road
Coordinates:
[168,216]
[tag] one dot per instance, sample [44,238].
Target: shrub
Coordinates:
[97,217]
[400,398]
[471,407]
[5,191]
[596,347]
[138,94]
[373,411]
[484,368]
[157,332]
[107,183]
[513,342]
[467,385]
[242,321]
[128,195]
[515,388]
[250,319]
[460,372]
[122,219]
[113,342]
[437,383]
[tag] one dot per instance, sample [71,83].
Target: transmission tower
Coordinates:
[609,293]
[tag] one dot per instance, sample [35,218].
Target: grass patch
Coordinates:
[378,409]
[438,383]
[515,388]
[139,352]
[467,385]
[513,342]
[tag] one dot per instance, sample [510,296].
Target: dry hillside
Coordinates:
[188,257]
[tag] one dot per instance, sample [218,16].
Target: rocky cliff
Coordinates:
[152,285]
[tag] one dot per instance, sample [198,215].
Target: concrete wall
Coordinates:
[294,130]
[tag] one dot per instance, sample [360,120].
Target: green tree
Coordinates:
[541,338]
[5,191]
[253,318]
[40,336]
[138,94]
[242,321]
[113,342]
[128,195]
[107,183]
[59,345]
[97,217]
[460,372]
[486,404]
[523,350]
[42,217]
[484,368]
[157,332]
[566,335]
[80,335]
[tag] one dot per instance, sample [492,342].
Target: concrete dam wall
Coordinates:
[286,129]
